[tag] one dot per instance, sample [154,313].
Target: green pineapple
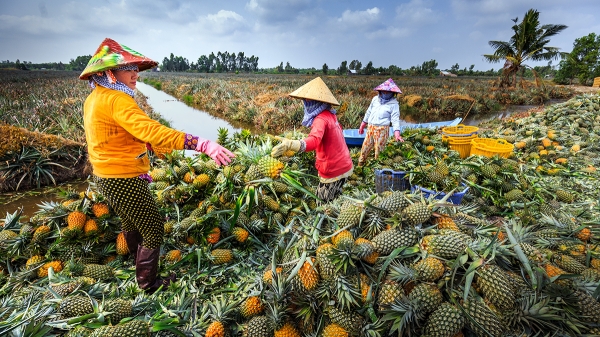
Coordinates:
[490,170]
[446,321]
[496,286]
[513,195]
[253,173]
[444,246]
[270,203]
[485,320]
[351,321]
[416,213]
[589,308]
[259,326]
[389,292]
[327,269]
[569,264]
[565,196]
[120,309]
[388,240]
[75,306]
[349,215]
[394,202]
[135,328]
[427,297]
[98,271]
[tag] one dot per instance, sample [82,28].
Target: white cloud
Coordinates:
[272,12]
[416,12]
[359,18]
[222,23]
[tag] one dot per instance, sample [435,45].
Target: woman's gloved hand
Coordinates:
[361,130]
[284,146]
[398,137]
[216,152]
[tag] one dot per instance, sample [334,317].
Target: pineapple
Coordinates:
[90,227]
[484,321]
[220,313]
[121,245]
[41,233]
[589,308]
[565,196]
[120,309]
[252,306]
[447,320]
[343,239]
[7,234]
[349,216]
[394,202]
[334,330]
[57,266]
[445,222]
[270,167]
[34,261]
[214,236]
[496,286]
[350,321]
[259,326]
[98,271]
[280,187]
[76,305]
[444,246]
[427,297]
[270,203]
[569,264]
[327,268]
[134,328]
[240,234]
[416,213]
[76,220]
[430,269]
[308,276]
[173,256]
[388,240]
[513,195]
[201,180]
[253,173]
[268,274]
[389,292]
[100,209]
[221,256]
[287,330]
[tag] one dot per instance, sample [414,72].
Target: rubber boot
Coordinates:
[134,240]
[146,270]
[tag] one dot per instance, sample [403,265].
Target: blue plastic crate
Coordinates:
[390,180]
[455,198]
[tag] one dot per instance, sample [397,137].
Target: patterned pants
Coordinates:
[376,137]
[330,191]
[132,201]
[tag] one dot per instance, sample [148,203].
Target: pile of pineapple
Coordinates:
[256,254]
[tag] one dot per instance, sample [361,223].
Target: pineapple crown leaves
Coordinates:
[404,316]
[401,273]
[222,308]
[11,221]
[521,255]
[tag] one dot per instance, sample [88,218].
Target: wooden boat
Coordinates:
[354,139]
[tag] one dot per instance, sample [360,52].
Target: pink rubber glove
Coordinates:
[361,130]
[216,152]
[398,137]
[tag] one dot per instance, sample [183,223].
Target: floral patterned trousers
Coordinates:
[376,137]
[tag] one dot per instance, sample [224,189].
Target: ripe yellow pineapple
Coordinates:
[308,275]
[201,180]
[240,234]
[214,236]
[41,232]
[270,167]
[221,256]
[121,245]
[287,330]
[33,261]
[90,227]
[268,274]
[76,220]
[56,265]
[100,209]
[173,256]
[334,330]
[343,239]
[251,306]
[446,222]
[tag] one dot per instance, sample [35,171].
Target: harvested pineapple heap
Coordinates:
[256,255]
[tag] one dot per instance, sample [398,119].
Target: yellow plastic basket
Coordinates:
[462,145]
[490,147]
[459,131]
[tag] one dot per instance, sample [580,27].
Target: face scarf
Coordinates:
[385,96]
[108,80]
[312,109]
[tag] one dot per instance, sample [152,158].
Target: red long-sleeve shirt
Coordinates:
[327,139]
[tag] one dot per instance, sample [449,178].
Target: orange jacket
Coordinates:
[327,139]
[116,132]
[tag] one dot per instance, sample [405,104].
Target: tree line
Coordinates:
[219,63]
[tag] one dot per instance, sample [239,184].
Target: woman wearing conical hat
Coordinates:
[333,161]
[117,132]
[383,111]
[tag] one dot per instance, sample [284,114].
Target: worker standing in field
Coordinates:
[117,132]
[383,111]
[333,161]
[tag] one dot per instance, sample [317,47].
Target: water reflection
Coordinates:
[183,117]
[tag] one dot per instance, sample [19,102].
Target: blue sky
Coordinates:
[306,33]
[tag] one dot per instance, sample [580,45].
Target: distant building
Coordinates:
[352,72]
[447,73]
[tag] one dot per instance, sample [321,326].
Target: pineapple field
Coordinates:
[257,255]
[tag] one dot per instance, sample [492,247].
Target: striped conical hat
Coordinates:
[316,90]
[388,85]
[111,54]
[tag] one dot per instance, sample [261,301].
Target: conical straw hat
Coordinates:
[388,85]
[111,54]
[316,90]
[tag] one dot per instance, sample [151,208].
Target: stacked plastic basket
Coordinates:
[459,138]
[490,147]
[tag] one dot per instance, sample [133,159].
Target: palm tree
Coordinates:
[528,44]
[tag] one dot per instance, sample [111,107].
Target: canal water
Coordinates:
[181,117]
